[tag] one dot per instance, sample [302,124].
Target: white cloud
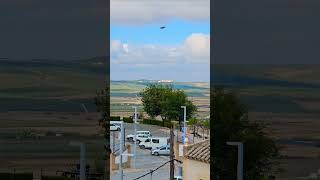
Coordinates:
[151,11]
[195,49]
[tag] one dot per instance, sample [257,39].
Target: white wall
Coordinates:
[195,170]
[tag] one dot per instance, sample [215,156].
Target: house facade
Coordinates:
[196,161]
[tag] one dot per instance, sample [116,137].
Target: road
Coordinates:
[144,160]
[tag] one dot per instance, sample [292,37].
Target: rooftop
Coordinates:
[199,151]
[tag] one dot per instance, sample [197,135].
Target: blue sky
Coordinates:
[141,50]
[176,31]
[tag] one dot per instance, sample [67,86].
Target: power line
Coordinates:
[151,171]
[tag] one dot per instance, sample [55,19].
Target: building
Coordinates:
[196,161]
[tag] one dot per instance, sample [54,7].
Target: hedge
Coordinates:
[158,123]
[20,176]
[55,178]
[127,120]
[115,118]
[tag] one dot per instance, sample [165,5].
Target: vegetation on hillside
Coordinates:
[231,123]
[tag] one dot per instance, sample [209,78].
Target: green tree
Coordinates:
[164,101]
[102,102]
[152,97]
[230,123]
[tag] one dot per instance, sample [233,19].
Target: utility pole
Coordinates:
[171,154]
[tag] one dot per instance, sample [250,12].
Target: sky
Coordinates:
[267,32]
[54,29]
[141,50]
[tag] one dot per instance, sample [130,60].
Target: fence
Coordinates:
[47,174]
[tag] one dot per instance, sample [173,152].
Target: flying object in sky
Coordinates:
[162,27]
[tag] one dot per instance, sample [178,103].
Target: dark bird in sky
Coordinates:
[162,27]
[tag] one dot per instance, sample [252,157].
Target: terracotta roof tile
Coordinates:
[199,151]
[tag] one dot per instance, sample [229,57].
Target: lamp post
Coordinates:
[135,136]
[184,123]
[82,158]
[121,150]
[240,158]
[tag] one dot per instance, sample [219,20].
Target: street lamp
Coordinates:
[135,136]
[184,123]
[82,158]
[240,158]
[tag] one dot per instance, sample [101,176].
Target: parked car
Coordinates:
[163,150]
[177,178]
[154,142]
[118,123]
[130,137]
[114,127]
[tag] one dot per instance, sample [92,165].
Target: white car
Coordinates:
[140,134]
[163,150]
[177,178]
[154,142]
[114,127]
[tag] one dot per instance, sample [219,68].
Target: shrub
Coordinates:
[115,118]
[127,120]
[55,178]
[167,124]
[20,176]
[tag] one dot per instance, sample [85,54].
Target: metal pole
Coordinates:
[151,171]
[120,156]
[184,122]
[82,162]
[240,158]
[135,137]
[171,155]
[240,161]
[113,141]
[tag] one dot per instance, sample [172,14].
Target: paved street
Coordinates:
[145,161]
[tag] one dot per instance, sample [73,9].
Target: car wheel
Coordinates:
[130,139]
[142,147]
[138,141]
[156,153]
[118,129]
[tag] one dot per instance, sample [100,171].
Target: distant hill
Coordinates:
[131,88]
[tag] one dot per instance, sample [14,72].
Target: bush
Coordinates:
[127,120]
[20,176]
[55,178]
[115,118]
[167,124]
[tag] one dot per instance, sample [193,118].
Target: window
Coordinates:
[155,140]
[163,148]
[148,140]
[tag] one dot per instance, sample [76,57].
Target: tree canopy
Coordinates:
[163,100]
[230,123]
[102,102]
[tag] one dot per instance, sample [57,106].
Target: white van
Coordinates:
[154,142]
[117,123]
[130,137]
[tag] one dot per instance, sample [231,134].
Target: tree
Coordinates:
[164,101]
[230,123]
[152,97]
[102,102]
